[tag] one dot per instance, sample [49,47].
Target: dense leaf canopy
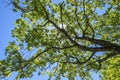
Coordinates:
[69,38]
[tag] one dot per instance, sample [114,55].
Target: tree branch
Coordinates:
[87,21]
[81,63]
[36,56]
[44,9]
[61,13]
[103,43]
[107,57]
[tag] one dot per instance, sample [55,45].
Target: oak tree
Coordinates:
[68,38]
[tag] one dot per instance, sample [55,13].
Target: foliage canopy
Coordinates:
[66,39]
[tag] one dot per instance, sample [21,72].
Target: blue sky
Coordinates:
[6,23]
[8,18]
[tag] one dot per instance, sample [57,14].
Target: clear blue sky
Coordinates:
[8,18]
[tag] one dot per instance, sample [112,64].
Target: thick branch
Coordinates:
[102,43]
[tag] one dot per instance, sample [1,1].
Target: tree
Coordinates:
[111,69]
[65,39]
